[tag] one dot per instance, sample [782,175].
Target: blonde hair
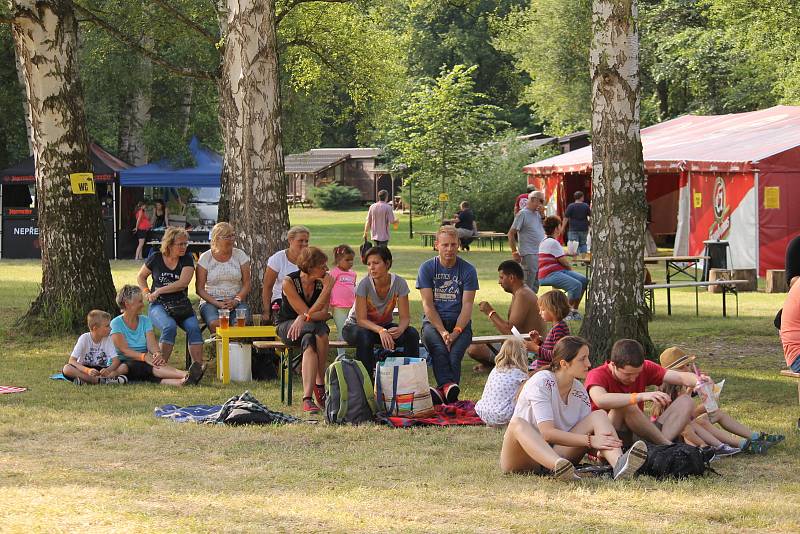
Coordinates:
[298,229]
[170,235]
[556,303]
[97,318]
[512,355]
[447,230]
[126,294]
[219,231]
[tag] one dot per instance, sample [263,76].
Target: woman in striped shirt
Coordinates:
[555,269]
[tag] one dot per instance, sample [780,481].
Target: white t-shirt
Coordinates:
[87,352]
[224,279]
[539,401]
[279,263]
[496,405]
[551,246]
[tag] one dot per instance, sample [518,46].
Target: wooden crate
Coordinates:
[751,275]
[719,274]
[776,281]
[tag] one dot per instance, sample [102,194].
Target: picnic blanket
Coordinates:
[458,413]
[238,409]
[11,389]
[59,376]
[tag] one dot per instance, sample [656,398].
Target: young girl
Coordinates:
[141,226]
[553,307]
[496,405]
[554,426]
[343,294]
[701,431]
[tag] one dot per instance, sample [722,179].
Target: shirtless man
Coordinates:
[522,313]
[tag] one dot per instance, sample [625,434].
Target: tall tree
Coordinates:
[76,275]
[250,114]
[615,306]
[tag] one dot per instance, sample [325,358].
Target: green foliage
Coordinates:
[13,134]
[335,196]
[496,179]
[438,134]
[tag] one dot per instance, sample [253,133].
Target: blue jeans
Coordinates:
[796,364]
[446,363]
[580,237]
[169,328]
[570,281]
[210,313]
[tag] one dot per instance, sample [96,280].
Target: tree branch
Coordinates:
[294,3]
[155,58]
[169,8]
[311,47]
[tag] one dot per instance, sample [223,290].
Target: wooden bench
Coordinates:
[428,238]
[728,286]
[290,357]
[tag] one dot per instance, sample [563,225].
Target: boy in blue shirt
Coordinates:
[447,285]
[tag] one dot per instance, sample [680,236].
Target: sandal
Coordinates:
[771,438]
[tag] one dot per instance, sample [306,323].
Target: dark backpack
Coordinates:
[348,393]
[363,249]
[676,460]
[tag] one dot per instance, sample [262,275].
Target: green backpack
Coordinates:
[348,393]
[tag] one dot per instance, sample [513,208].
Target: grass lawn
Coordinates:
[95,458]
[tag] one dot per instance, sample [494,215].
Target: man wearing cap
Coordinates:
[527,232]
[618,386]
[522,199]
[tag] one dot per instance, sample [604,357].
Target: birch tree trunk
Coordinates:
[135,113]
[76,276]
[253,182]
[615,306]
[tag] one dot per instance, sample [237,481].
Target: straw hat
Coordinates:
[673,358]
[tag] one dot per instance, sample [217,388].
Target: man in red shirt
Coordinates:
[618,386]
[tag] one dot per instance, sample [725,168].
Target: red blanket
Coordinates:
[459,413]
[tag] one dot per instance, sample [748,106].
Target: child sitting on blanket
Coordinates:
[94,359]
[702,431]
[553,307]
[496,405]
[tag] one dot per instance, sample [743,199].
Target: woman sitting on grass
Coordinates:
[496,405]
[554,426]
[302,321]
[555,269]
[137,347]
[701,431]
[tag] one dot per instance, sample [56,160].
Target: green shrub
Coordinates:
[335,196]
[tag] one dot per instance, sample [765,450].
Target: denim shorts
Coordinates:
[796,364]
[210,313]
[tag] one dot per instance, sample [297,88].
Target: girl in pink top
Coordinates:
[343,294]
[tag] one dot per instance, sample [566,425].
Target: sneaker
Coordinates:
[319,394]
[437,396]
[78,381]
[631,461]
[195,374]
[564,470]
[771,438]
[451,391]
[726,450]
[309,406]
[121,379]
[757,447]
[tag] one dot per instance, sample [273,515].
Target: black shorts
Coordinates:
[141,234]
[140,372]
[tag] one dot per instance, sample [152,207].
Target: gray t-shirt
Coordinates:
[379,311]
[530,232]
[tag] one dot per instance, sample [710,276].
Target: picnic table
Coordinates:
[728,286]
[481,238]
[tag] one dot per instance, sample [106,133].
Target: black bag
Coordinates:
[180,309]
[676,460]
[265,364]
[365,246]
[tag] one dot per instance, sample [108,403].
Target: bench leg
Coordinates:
[282,371]
[724,308]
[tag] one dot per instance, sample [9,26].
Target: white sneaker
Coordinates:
[726,450]
[631,461]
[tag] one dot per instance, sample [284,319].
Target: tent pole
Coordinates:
[1,219]
[756,227]
[114,215]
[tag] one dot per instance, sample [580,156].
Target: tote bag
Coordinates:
[401,387]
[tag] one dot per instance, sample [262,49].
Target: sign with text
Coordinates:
[772,198]
[444,197]
[82,183]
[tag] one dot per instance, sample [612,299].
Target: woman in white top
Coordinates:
[223,277]
[553,407]
[279,265]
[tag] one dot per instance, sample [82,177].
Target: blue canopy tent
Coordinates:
[206,173]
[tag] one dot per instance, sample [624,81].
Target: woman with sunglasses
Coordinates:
[223,277]
[172,270]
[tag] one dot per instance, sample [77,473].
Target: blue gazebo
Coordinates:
[206,172]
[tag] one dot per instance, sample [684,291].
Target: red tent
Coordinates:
[733,177]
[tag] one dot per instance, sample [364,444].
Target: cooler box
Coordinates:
[240,361]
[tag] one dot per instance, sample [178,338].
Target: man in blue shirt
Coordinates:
[578,214]
[447,285]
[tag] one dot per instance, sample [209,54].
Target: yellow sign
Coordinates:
[698,199]
[772,198]
[82,183]
[444,197]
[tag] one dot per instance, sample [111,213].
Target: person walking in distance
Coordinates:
[379,218]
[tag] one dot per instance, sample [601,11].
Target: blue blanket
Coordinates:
[225,413]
